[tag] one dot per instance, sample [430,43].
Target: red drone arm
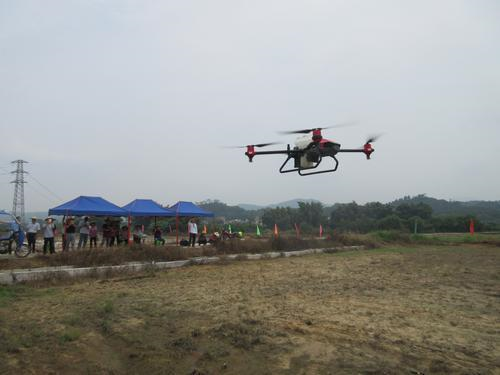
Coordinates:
[250,153]
[368,150]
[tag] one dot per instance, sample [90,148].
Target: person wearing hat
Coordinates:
[70,234]
[49,232]
[32,229]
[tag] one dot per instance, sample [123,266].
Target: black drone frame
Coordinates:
[296,154]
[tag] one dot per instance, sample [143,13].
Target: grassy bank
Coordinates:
[148,253]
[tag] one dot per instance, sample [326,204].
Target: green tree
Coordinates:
[311,213]
[282,216]
[391,222]
[406,211]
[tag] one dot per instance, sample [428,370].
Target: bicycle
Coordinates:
[11,234]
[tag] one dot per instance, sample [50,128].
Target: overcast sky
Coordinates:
[133,99]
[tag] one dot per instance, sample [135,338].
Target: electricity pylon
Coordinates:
[18,201]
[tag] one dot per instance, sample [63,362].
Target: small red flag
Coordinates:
[321,230]
[276,233]
[471,226]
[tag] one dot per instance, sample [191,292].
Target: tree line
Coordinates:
[402,215]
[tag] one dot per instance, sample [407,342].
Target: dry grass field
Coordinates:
[418,309]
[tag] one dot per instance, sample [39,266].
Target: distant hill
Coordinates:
[293,203]
[245,211]
[487,211]
[221,209]
[250,207]
[39,214]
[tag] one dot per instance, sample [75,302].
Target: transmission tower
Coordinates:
[18,202]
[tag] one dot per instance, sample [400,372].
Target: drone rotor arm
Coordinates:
[251,153]
[367,150]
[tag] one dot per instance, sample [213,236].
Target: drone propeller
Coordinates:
[306,131]
[266,144]
[373,138]
[256,145]
[367,147]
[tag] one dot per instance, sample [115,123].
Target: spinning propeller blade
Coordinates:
[256,145]
[373,138]
[265,144]
[306,131]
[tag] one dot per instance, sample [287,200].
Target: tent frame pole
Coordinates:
[177,229]
[129,223]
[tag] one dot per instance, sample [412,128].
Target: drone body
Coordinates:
[308,152]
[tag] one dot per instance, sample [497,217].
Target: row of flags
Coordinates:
[275,232]
[297,230]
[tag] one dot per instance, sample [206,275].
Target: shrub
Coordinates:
[392,236]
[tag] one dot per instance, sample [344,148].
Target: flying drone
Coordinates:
[309,151]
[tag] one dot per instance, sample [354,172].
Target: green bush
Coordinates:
[392,236]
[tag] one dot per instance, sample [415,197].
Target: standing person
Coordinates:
[32,229]
[84,233]
[93,235]
[112,234]
[116,227]
[106,231]
[17,236]
[124,235]
[193,232]
[70,235]
[49,232]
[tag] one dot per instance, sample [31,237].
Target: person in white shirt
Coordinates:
[32,229]
[193,232]
[49,231]
[84,233]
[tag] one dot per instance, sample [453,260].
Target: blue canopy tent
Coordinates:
[182,208]
[187,209]
[84,205]
[147,207]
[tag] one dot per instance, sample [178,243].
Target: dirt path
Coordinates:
[415,310]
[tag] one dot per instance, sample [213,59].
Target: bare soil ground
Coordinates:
[396,310]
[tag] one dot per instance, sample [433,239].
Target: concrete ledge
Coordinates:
[204,260]
[27,275]
[174,264]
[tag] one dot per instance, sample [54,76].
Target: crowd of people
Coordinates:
[111,234]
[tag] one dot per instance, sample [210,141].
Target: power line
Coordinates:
[41,193]
[45,187]
[53,198]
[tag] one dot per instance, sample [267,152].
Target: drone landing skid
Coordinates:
[300,170]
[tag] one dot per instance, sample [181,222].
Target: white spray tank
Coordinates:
[301,143]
